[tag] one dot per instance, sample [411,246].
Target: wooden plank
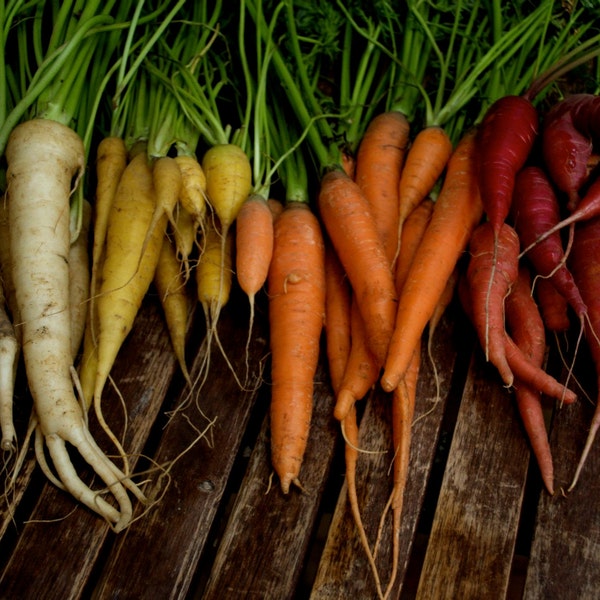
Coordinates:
[173,533]
[261,552]
[475,526]
[565,553]
[63,536]
[343,570]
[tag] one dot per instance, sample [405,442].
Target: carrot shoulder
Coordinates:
[296,287]
[457,212]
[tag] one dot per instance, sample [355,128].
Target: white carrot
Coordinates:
[45,161]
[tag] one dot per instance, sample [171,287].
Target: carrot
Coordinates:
[520,366]
[527,329]
[111,160]
[403,408]
[566,152]
[185,234]
[228,181]
[350,428]
[79,280]
[349,222]
[254,249]
[378,166]
[9,353]
[457,211]
[192,198]
[337,317]
[126,273]
[414,229]
[296,288]
[495,257]
[505,140]
[553,306]
[39,244]
[361,371]
[536,210]
[426,160]
[170,285]
[584,265]
[587,208]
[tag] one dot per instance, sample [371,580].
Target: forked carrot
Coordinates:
[457,212]
[254,249]
[351,227]
[350,429]
[296,288]
[493,268]
[403,409]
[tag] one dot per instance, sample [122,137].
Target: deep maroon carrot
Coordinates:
[584,262]
[504,141]
[536,210]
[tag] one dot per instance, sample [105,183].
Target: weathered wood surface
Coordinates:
[476,520]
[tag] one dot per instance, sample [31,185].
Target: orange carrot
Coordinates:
[457,212]
[350,427]
[337,317]
[361,371]
[349,222]
[403,409]
[296,288]
[254,249]
[426,160]
[413,232]
[378,166]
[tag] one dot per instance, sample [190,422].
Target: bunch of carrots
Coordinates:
[311,135]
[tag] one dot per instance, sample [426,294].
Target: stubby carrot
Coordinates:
[296,288]
[458,210]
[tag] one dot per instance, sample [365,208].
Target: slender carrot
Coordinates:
[403,409]
[361,371]
[378,167]
[349,222]
[457,212]
[170,284]
[296,286]
[527,329]
[426,160]
[337,317]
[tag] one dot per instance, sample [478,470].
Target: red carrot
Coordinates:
[527,329]
[585,265]
[505,140]
[492,270]
[536,210]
